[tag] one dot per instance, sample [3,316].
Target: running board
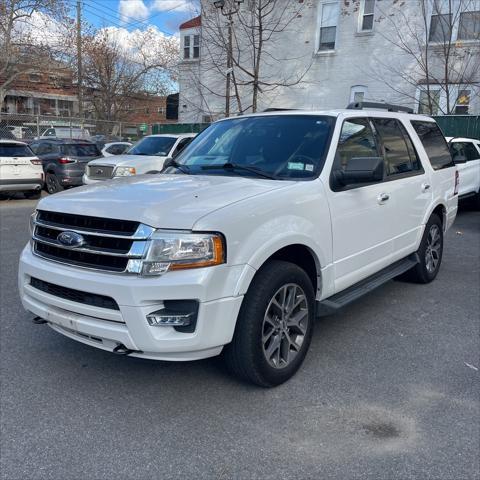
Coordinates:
[336,302]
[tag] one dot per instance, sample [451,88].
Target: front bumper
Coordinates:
[89,181]
[216,289]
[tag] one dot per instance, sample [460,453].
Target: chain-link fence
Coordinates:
[27,127]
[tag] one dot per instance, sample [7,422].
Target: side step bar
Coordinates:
[339,300]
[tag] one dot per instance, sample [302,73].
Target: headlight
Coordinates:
[175,251]
[33,218]
[124,171]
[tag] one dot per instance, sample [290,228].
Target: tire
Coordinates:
[426,270]
[32,194]
[253,354]
[52,184]
[152,172]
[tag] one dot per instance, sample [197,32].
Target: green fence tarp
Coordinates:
[459,125]
[179,127]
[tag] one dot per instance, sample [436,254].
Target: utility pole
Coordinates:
[79,59]
[229,66]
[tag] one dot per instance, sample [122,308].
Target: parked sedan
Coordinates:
[115,148]
[146,156]
[20,169]
[64,161]
[466,155]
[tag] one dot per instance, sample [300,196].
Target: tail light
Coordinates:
[65,160]
[457,182]
[36,161]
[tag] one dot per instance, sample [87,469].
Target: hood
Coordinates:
[126,160]
[161,201]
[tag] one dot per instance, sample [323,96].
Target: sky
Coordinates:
[165,15]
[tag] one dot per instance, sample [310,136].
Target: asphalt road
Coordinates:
[389,390]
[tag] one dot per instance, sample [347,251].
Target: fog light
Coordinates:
[164,318]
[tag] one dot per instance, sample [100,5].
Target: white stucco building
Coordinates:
[340,51]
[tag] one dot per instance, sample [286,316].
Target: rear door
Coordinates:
[362,215]
[408,184]
[469,172]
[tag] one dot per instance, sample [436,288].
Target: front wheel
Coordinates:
[274,327]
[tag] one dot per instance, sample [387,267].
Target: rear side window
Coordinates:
[400,156]
[15,150]
[81,150]
[356,140]
[434,143]
[466,149]
[117,149]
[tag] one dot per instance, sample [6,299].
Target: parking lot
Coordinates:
[389,390]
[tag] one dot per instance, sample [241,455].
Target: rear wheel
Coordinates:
[430,253]
[274,327]
[52,183]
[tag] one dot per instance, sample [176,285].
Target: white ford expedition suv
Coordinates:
[263,222]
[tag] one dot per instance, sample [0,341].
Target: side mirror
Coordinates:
[361,170]
[460,159]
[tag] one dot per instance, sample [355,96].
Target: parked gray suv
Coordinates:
[64,161]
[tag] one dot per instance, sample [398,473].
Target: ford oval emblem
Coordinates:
[71,239]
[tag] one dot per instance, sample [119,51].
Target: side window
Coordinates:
[398,156]
[181,145]
[44,149]
[356,140]
[471,152]
[116,149]
[434,143]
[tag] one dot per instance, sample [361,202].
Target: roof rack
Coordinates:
[274,109]
[383,106]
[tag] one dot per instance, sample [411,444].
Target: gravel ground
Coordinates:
[389,390]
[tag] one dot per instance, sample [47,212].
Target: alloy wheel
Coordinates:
[285,325]
[433,250]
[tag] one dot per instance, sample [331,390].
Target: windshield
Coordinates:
[283,146]
[15,150]
[81,150]
[153,146]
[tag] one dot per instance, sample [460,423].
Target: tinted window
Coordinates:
[14,150]
[356,140]
[153,146]
[465,149]
[398,157]
[181,145]
[44,149]
[434,143]
[80,150]
[288,146]
[117,149]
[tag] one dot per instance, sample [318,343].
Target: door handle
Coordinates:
[425,187]
[382,198]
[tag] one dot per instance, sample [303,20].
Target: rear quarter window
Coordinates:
[81,150]
[434,143]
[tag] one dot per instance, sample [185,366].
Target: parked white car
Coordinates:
[466,155]
[20,169]
[76,133]
[146,156]
[115,148]
[262,223]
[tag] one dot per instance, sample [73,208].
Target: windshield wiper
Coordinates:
[236,166]
[170,162]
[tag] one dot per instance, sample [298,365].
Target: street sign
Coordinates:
[143,127]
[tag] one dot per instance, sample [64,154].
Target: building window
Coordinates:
[469,26]
[423,104]
[191,47]
[34,77]
[463,102]
[196,46]
[358,93]
[367,16]
[160,110]
[328,26]
[186,47]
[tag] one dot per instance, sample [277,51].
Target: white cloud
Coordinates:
[132,10]
[176,5]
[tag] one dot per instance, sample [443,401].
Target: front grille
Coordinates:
[100,172]
[107,244]
[77,296]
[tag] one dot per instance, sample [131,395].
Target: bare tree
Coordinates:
[115,73]
[26,47]
[247,47]
[442,60]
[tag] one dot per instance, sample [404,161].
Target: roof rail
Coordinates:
[383,106]
[274,109]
